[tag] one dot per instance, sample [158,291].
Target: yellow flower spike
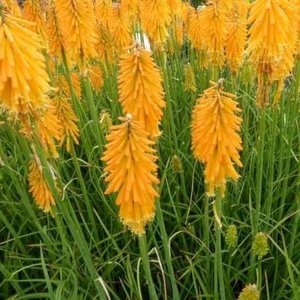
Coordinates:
[23,76]
[237,34]
[260,247]
[105,45]
[49,129]
[105,121]
[104,13]
[122,36]
[195,32]
[140,89]
[38,186]
[26,127]
[76,83]
[231,237]
[215,31]
[55,36]
[169,49]
[227,4]
[203,59]
[270,32]
[68,120]
[96,77]
[34,13]
[175,7]
[250,292]
[187,9]
[13,7]
[176,164]
[247,72]
[155,18]
[63,86]
[176,30]
[53,65]
[272,43]
[130,8]
[131,172]
[215,136]
[189,79]
[77,21]
[179,34]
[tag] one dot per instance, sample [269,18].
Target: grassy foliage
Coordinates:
[83,251]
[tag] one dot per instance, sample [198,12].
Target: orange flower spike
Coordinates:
[237,34]
[96,77]
[105,45]
[105,34]
[34,12]
[189,79]
[227,4]
[272,43]
[179,34]
[140,89]
[77,21]
[38,187]
[130,8]
[215,136]
[131,172]
[155,18]
[13,7]
[176,36]
[26,127]
[187,9]
[55,36]
[195,32]
[49,130]
[76,84]
[177,25]
[270,32]
[64,88]
[122,36]
[215,31]
[175,7]
[104,13]
[23,76]
[68,121]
